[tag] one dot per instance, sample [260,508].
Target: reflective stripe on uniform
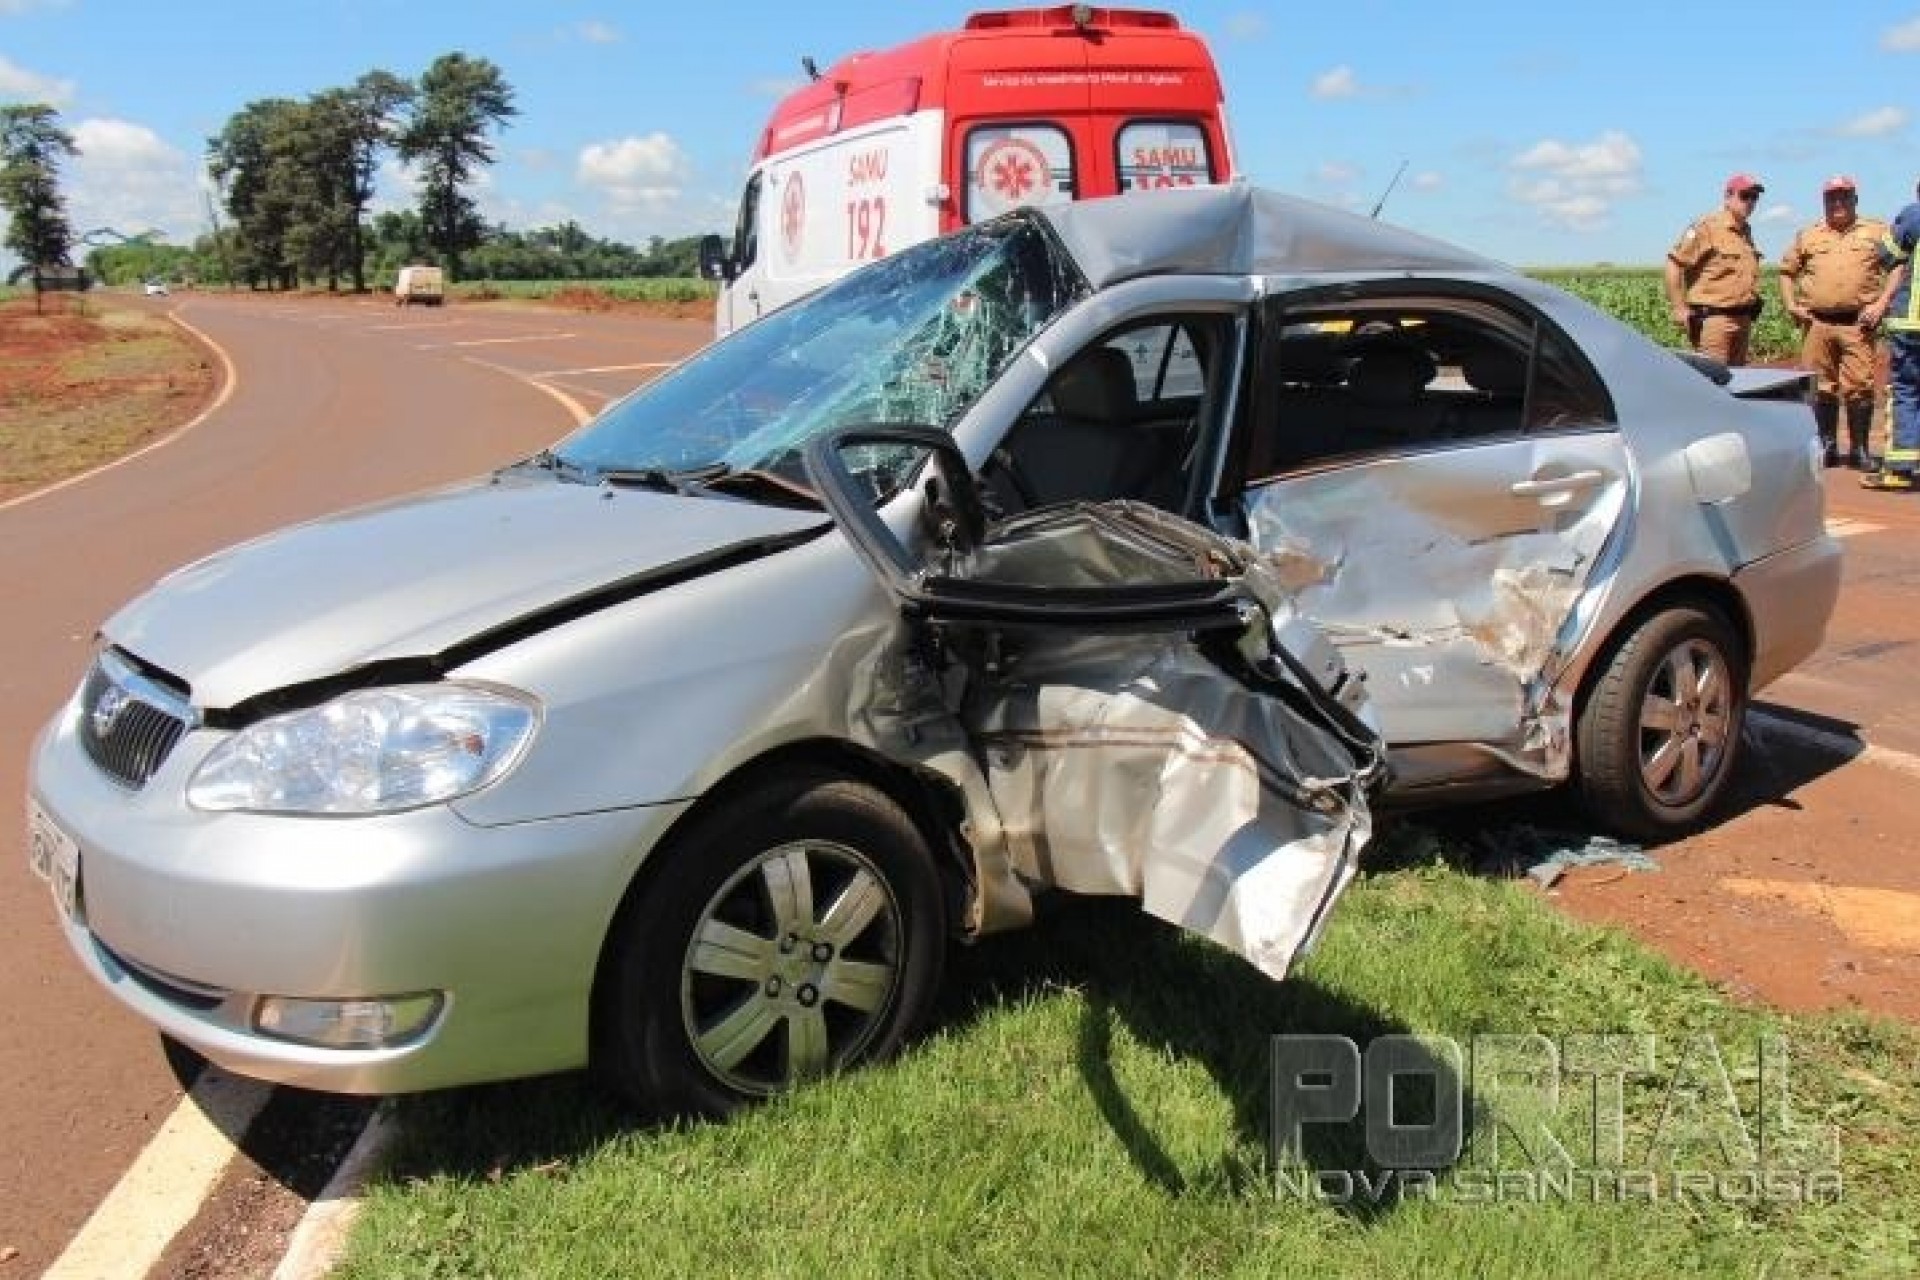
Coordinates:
[1894,457]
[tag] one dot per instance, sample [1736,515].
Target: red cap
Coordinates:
[1838,182]
[1744,182]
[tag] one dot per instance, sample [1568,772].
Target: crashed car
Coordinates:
[1137,547]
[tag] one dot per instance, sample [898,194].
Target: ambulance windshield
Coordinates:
[914,338]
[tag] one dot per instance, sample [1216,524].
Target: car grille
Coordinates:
[129,722]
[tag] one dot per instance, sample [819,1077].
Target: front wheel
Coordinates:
[1660,732]
[791,934]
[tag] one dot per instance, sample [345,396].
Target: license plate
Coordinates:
[54,856]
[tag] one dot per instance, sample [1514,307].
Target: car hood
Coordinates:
[415,577]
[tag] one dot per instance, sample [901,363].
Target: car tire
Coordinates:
[793,932]
[1659,735]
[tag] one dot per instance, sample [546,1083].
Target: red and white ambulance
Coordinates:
[1019,106]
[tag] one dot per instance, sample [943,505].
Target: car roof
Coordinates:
[1240,230]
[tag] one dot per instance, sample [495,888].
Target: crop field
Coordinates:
[652,289]
[1636,296]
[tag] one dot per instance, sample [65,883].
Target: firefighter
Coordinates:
[1833,283]
[1903,330]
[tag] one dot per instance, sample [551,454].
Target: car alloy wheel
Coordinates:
[1684,722]
[792,966]
[792,928]
[1658,735]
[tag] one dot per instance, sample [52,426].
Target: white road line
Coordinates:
[229,379]
[610,368]
[415,324]
[163,1189]
[579,411]
[1848,527]
[496,342]
[1839,744]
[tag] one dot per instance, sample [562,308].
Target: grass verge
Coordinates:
[84,381]
[1094,1100]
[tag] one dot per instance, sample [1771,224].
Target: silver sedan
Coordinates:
[1133,547]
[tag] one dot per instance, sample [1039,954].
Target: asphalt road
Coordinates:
[341,402]
[336,402]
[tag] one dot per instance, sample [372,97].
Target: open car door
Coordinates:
[1120,675]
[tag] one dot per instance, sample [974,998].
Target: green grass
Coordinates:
[634,290]
[1093,1101]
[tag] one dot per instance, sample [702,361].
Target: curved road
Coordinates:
[336,402]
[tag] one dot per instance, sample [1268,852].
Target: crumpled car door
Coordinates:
[1120,677]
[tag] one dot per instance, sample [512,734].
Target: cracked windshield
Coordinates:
[914,339]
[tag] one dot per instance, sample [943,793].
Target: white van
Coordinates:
[1018,107]
[425,285]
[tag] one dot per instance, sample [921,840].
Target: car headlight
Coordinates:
[371,751]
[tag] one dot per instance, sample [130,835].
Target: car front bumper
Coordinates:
[190,919]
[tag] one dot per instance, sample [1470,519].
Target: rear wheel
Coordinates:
[1660,732]
[792,934]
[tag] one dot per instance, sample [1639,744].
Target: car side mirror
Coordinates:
[714,262]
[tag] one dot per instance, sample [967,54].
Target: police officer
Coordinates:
[1713,275]
[1833,284]
[1903,330]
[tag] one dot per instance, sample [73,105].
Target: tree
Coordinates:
[32,144]
[366,118]
[256,160]
[460,99]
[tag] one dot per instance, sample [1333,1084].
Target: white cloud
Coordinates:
[11,8]
[21,85]
[1337,83]
[1335,174]
[1576,185]
[1246,26]
[1777,214]
[597,32]
[1874,124]
[129,178]
[636,173]
[1427,181]
[1902,38]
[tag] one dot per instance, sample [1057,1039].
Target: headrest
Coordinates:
[1499,370]
[1309,357]
[1098,383]
[1386,373]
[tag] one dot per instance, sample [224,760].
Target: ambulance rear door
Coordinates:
[1018,127]
[1157,116]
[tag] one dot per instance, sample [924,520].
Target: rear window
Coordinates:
[1009,166]
[1163,153]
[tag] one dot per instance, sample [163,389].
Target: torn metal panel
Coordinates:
[1454,603]
[1138,767]
[1116,675]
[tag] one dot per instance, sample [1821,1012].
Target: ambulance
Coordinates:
[1018,107]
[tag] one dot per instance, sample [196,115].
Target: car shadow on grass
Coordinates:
[1179,996]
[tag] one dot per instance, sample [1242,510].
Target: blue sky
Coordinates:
[1538,134]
